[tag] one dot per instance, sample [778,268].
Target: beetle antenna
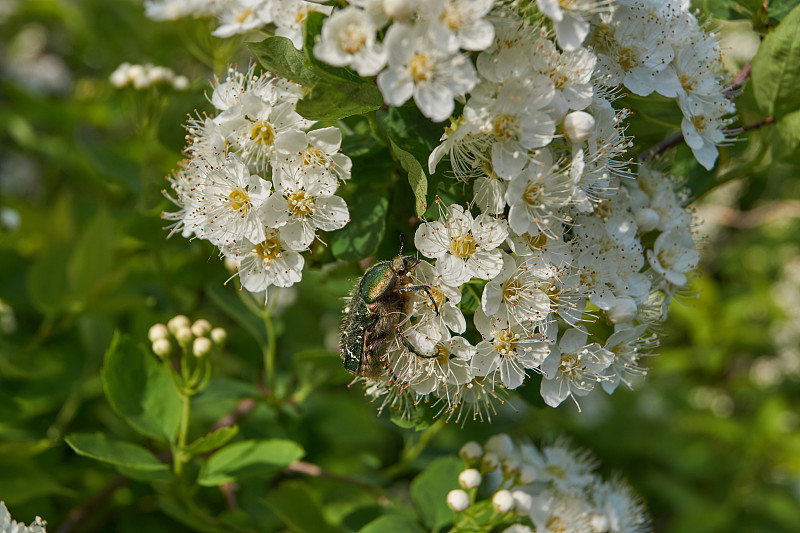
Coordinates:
[402,242]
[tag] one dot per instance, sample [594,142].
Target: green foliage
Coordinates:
[248,458]
[392,524]
[416,177]
[333,101]
[140,390]
[118,453]
[361,236]
[278,55]
[212,441]
[429,491]
[776,67]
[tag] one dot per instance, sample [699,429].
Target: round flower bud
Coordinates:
[177,322]
[162,347]
[510,467]
[471,451]
[219,335]
[647,219]
[157,331]
[457,500]
[119,78]
[599,523]
[184,335]
[142,81]
[503,501]
[201,346]
[231,265]
[522,502]
[469,478]
[398,9]
[527,474]
[160,74]
[490,462]
[500,444]
[623,311]
[201,327]
[578,126]
[135,71]
[180,83]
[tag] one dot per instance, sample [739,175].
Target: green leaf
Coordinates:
[429,491]
[298,507]
[361,236]
[788,128]
[93,255]
[115,452]
[47,281]
[316,367]
[392,523]
[334,101]
[416,176]
[247,459]
[213,440]
[141,390]
[776,67]
[278,55]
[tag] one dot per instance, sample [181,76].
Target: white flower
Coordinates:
[241,16]
[570,19]
[464,246]
[508,348]
[568,471]
[445,314]
[290,15]
[270,262]
[303,203]
[432,76]
[628,345]
[673,255]
[348,39]
[703,130]
[316,151]
[534,197]
[515,294]
[574,368]
[455,24]
[555,513]
[228,205]
[621,510]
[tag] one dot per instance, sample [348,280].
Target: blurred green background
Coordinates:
[711,439]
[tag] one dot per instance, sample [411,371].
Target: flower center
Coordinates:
[301,203]
[687,83]
[239,200]
[262,133]
[302,15]
[438,297]
[556,525]
[504,126]
[463,246]
[420,68]
[352,39]
[559,78]
[533,194]
[244,15]
[269,249]
[539,241]
[627,58]
[442,354]
[505,342]
[569,363]
[313,157]
[452,18]
[512,290]
[699,123]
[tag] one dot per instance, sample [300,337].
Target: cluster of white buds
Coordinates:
[197,338]
[258,183]
[9,525]
[143,77]
[547,489]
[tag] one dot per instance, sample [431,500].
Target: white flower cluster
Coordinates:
[145,76]
[656,46]
[242,16]
[549,490]
[8,525]
[565,236]
[259,183]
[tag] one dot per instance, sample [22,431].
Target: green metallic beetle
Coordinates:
[372,318]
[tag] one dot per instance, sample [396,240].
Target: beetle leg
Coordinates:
[410,347]
[425,288]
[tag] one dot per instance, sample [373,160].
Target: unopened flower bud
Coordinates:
[398,9]
[457,500]
[135,71]
[119,78]
[527,474]
[201,346]
[160,74]
[647,219]
[162,347]
[219,335]
[471,451]
[599,523]
[510,467]
[518,528]
[231,264]
[141,82]
[623,311]
[503,501]
[177,322]
[469,478]
[500,444]
[184,335]
[490,462]
[201,327]
[522,502]
[180,83]
[157,331]
[578,126]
